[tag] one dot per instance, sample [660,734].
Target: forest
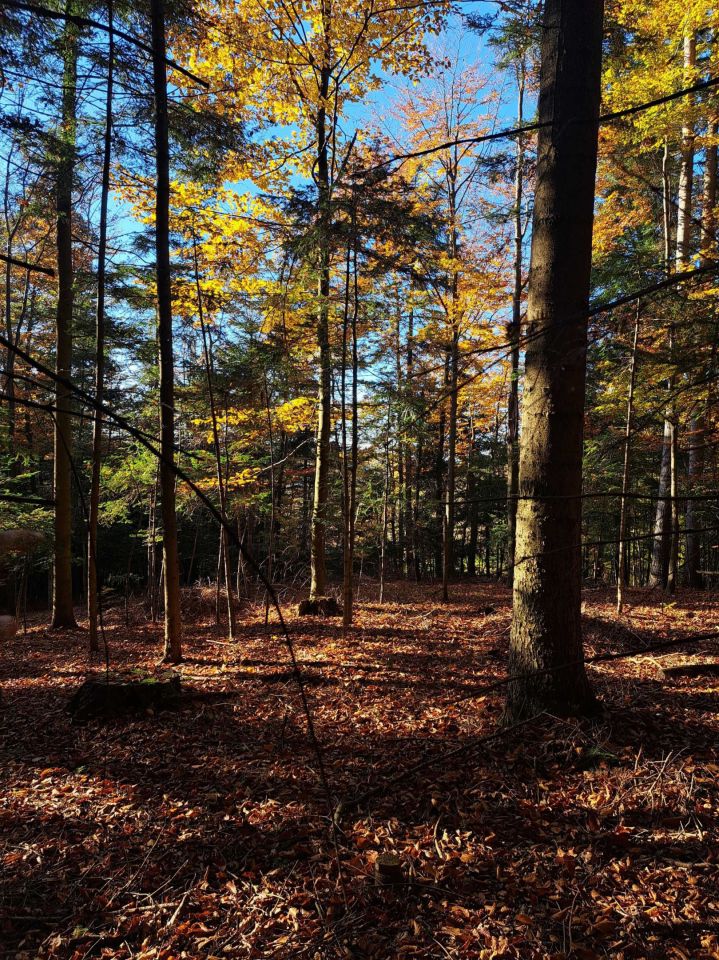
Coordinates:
[359,479]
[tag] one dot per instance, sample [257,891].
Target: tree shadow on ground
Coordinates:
[226,795]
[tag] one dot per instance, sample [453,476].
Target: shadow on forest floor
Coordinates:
[516,846]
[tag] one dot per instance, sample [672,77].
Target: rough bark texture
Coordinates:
[546,639]
[173,623]
[63,615]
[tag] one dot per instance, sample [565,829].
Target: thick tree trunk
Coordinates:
[92,579]
[173,622]
[62,606]
[546,639]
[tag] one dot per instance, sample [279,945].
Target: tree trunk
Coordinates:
[318,585]
[439,480]
[472,508]
[411,533]
[683,262]
[224,551]
[698,432]
[661,544]
[659,568]
[349,469]
[448,539]
[674,492]
[513,334]
[173,622]
[622,551]
[63,615]
[546,639]
[92,578]
[449,510]
[385,512]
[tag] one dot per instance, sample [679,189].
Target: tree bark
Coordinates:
[94,510]
[63,615]
[546,639]
[173,622]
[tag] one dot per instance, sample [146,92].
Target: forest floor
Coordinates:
[205,832]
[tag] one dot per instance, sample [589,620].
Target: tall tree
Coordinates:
[514,330]
[546,638]
[173,624]
[698,433]
[92,579]
[63,615]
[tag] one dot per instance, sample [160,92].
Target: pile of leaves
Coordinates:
[207,831]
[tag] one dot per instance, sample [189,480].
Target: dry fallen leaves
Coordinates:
[203,833]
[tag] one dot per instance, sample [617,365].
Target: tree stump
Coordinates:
[319,607]
[388,869]
[121,696]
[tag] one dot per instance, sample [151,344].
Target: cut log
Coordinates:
[691,670]
[319,607]
[121,696]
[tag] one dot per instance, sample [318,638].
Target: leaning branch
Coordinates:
[32,267]
[533,127]
[49,14]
